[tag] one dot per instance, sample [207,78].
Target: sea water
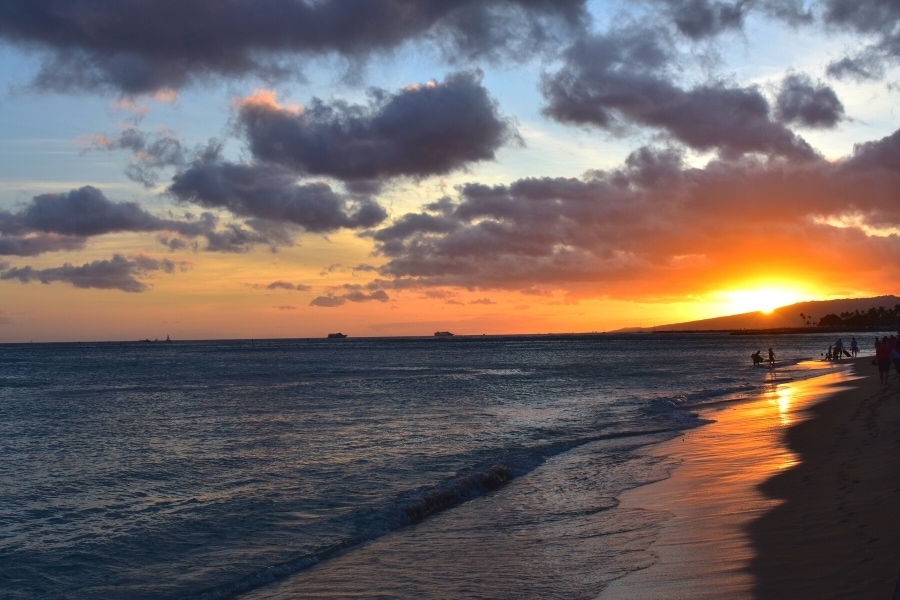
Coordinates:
[483,467]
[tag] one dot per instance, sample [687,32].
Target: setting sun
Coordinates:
[762,299]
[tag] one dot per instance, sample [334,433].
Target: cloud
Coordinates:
[804,103]
[655,224]
[699,19]
[622,79]
[271,193]
[86,212]
[139,47]
[422,130]
[118,273]
[65,221]
[34,244]
[704,20]
[352,293]
[283,285]
[878,20]
[149,152]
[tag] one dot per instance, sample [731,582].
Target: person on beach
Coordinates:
[771,357]
[854,347]
[838,349]
[883,358]
[756,357]
[895,354]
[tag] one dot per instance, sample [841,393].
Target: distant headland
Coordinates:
[881,313]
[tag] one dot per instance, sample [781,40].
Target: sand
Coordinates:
[793,495]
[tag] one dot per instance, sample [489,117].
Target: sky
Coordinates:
[206,169]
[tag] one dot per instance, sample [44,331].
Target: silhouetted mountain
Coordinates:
[784,317]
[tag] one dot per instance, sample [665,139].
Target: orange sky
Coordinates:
[644,164]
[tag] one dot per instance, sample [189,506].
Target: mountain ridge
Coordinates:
[785,317]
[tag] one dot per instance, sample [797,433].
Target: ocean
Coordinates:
[456,467]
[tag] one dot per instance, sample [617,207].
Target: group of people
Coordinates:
[887,354]
[837,351]
[887,351]
[757,358]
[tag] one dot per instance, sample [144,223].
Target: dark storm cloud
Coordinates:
[652,217]
[351,293]
[422,130]
[119,273]
[270,192]
[804,103]
[622,79]
[878,19]
[136,46]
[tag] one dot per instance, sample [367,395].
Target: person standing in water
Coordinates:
[854,347]
[771,357]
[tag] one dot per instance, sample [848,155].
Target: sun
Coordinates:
[763,299]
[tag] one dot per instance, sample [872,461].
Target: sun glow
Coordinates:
[762,299]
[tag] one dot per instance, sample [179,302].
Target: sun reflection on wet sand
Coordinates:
[783,397]
[713,493]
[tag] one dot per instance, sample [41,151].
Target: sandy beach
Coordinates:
[792,495]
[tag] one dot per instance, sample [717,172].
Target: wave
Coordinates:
[418,505]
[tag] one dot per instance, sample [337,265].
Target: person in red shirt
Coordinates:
[883,358]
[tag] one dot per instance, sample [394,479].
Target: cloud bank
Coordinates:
[139,47]
[423,130]
[623,79]
[118,273]
[272,193]
[654,224]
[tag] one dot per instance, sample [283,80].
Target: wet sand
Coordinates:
[792,495]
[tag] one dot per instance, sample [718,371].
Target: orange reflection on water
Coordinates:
[783,401]
[714,492]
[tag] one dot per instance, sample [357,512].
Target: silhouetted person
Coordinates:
[771,357]
[883,358]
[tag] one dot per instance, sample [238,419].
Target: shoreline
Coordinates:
[837,525]
[744,504]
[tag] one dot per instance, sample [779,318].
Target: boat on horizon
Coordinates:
[333,336]
[442,334]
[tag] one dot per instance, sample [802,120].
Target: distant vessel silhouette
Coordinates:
[442,334]
[336,335]
[156,341]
